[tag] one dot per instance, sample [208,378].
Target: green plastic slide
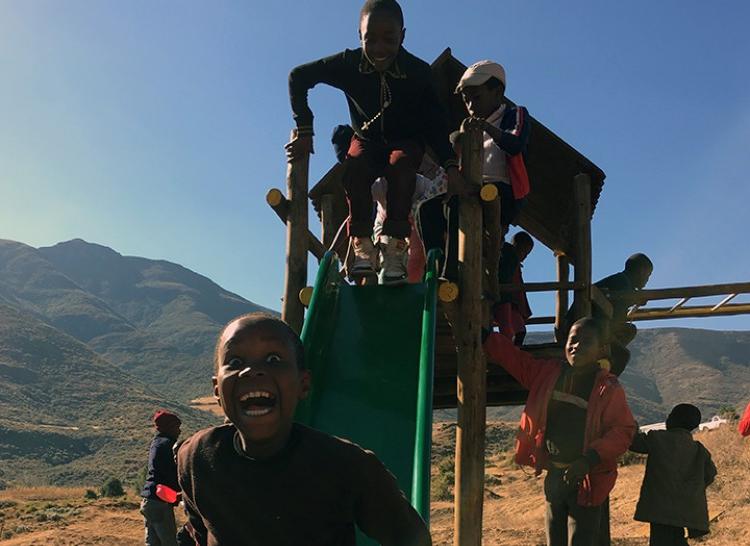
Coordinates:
[371,353]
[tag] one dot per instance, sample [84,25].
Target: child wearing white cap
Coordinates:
[506,129]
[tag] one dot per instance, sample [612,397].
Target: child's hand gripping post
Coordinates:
[299,147]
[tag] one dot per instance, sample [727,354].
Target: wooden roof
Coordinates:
[549,213]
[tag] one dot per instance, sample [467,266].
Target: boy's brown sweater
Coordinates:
[312,493]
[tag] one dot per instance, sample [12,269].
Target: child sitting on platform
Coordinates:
[395,112]
[513,310]
[431,181]
[678,470]
[576,424]
[506,130]
[265,480]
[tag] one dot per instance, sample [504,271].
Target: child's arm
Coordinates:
[515,139]
[618,427]
[329,70]
[512,140]
[640,443]
[382,511]
[520,364]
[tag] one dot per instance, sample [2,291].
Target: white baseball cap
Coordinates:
[479,73]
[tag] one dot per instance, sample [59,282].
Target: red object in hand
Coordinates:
[166,493]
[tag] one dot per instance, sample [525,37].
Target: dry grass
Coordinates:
[209,404]
[514,501]
[43,493]
[513,509]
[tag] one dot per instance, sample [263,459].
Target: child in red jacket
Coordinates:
[576,424]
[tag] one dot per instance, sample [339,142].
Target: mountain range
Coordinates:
[92,342]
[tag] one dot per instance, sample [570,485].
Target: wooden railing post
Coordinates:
[582,194]
[472,376]
[561,300]
[295,278]
[327,223]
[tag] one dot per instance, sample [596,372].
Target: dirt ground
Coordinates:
[513,512]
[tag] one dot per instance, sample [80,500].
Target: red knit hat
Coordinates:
[165,420]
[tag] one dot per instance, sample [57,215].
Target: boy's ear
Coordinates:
[216,389]
[403,35]
[305,384]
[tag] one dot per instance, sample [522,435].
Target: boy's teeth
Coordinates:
[256,394]
[258,412]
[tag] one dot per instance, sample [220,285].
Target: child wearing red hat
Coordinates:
[161,528]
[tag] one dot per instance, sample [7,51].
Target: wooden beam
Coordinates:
[601,301]
[471,374]
[561,298]
[297,237]
[541,320]
[553,286]
[684,292]
[696,311]
[582,195]
[280,206]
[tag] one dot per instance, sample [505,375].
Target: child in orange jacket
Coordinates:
[575,425]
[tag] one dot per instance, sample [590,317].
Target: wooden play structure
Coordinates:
[565,189]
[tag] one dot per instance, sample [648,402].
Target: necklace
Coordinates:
[385,101]
[238,447]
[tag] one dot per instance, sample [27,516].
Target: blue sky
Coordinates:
[156,128]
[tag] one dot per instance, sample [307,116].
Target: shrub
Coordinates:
[729,413]
[112,488]
[90,494]
[630,457]
[140,480]
[442,482]
[442,487]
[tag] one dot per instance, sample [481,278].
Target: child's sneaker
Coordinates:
[365,257]
[395,257]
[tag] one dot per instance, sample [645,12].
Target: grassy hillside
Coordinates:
[66,414]
[154,319]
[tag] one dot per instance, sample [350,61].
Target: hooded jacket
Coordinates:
[609,423]
[678,470]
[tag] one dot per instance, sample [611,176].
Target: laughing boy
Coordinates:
[262,479]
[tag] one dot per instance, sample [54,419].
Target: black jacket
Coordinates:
[162,468]
[678,470]
[414,111]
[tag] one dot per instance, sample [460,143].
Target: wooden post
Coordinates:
[472,376]
[295,279]
[327,223]
[280,206]
[492,245]
[582,194]
[561,301]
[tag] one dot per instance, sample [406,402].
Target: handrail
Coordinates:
[420,491]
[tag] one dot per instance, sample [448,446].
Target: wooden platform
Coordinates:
[502,389]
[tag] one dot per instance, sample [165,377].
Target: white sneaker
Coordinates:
[394,251]
[365,256]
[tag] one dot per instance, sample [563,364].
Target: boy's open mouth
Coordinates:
[257,403]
